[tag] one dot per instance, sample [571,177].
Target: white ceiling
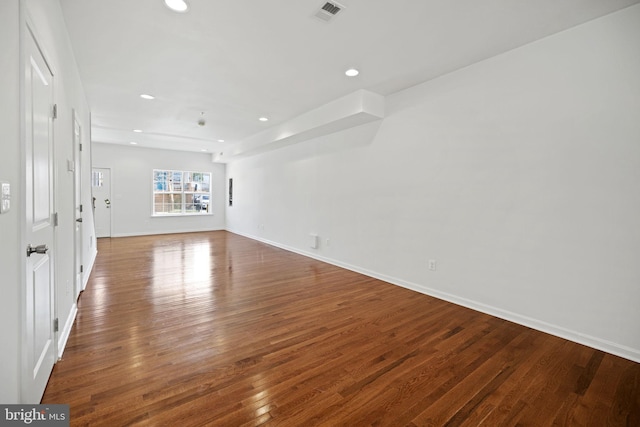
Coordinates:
[238,60]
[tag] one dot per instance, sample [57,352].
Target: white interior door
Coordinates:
[101,188]
[39,346]
[77,157]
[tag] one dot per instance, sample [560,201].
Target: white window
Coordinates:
[181,192]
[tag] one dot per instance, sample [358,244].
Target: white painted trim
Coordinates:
[87,271]
[155,232]
[580,338]
[63,335]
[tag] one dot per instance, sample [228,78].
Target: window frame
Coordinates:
[184,190]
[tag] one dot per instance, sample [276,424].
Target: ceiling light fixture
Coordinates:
[147,96]
[137,130]
[221,140]
[352,72]
[177,5]
[263,119]
[133,143]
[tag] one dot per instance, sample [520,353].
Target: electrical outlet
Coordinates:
[313,241]
[432,264]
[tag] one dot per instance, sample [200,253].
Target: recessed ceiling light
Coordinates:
[147,96]
[263,119]
[177,5]
[133,143]
[221,140]
[137,130]
[352,72]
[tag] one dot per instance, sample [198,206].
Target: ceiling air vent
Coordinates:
[328,11]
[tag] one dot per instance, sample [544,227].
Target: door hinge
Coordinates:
[55,111]
[55,219]
[55,325]
[80,208]
[82,269]
[80,147]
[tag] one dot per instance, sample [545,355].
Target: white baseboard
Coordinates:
[63,335]
[66,330]
[87,270]
[578,337]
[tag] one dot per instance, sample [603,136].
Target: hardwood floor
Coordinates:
[216,329]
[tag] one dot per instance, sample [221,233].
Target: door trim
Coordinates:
[78,276]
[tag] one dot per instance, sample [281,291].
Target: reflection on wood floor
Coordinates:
[217,329]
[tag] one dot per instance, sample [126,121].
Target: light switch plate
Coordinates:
[5,197]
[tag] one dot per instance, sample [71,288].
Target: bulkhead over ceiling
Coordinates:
[240,60]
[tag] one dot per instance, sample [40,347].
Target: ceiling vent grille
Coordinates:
[328,11]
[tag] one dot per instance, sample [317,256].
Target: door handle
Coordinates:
[79,220]
[40,249]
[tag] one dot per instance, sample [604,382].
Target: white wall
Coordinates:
[46,18]
[519,175]
[131,185]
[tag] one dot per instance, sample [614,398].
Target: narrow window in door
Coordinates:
[97,179]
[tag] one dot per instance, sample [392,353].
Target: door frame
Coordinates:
[28,30]
[78,237]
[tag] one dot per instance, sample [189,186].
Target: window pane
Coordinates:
[97,179]
[173,202]
[206,182]
[175,183]
[167,203]
[189,205]
[160,180]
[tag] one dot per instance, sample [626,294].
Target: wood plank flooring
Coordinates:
[216,329]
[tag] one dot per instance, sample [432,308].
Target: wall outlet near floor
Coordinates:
[432,264]
[313,241]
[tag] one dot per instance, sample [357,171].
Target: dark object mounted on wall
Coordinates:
[230,191]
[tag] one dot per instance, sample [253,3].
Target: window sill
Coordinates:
[181,214]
